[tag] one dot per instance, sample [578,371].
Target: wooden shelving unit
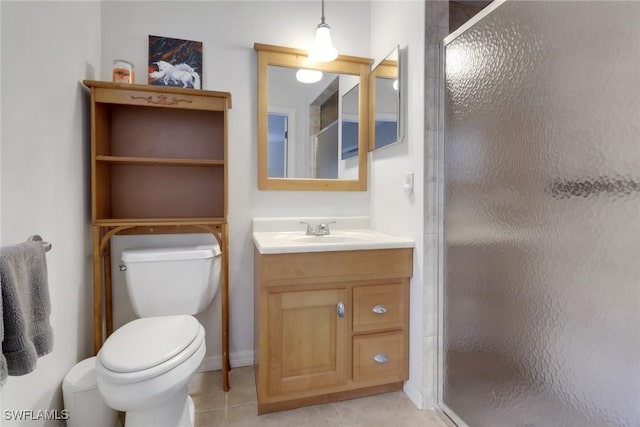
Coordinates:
[158,165]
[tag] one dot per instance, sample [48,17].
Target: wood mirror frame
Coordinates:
[269,55]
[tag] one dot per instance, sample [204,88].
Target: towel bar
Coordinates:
[37,238]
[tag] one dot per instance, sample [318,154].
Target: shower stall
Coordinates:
[540,196]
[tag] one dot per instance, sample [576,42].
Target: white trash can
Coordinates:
[83,401]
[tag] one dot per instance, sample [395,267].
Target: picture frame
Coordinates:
[175,62]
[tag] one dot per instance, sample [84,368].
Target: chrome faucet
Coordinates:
[321,229]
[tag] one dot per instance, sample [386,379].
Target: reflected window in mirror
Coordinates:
[300,132]
[278,144]
[385,91]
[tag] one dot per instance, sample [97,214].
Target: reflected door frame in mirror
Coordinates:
[269,55]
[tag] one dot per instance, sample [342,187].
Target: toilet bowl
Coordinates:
[82,401]
[144,367]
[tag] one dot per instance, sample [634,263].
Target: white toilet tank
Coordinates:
[167,281]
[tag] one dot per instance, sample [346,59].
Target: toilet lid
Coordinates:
[148,342]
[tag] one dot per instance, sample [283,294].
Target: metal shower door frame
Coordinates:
[451,417]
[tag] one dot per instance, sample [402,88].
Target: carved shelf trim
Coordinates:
[162,100]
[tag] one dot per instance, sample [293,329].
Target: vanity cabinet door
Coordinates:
[307,340]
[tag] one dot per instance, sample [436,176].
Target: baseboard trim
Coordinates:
[413,394]
[285,405]
[237,359]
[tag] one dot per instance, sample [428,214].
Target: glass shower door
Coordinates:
[541,216]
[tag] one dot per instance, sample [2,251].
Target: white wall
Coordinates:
[402,23]
[228,31]
[48,48]
[45,145]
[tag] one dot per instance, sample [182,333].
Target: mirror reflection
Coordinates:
[385,92]
[350,122]
[303,129]
[300,113]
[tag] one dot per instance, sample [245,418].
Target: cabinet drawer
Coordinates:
[380,357]
[379,307]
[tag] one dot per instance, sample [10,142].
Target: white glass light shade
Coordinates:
[323,49]
[308,76]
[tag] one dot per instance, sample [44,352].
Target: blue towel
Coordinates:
[25,330]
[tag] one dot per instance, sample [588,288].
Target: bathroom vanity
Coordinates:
[331,316]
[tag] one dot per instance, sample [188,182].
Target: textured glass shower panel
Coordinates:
[542,216]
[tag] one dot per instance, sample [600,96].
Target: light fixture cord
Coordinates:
[322,17]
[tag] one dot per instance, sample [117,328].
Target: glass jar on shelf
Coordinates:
[123,71]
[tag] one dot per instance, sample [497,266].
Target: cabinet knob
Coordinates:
[123,267]
[380,358]
[340,309]
[379,309]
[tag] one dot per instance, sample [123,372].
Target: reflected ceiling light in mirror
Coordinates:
[308,76]
[323,49]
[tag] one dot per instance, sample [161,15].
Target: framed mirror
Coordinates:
[300,116]
[385,108]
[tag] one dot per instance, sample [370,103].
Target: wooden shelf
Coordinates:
[113,222]
[161,225]
[158,160]
[155,161]
[112,93]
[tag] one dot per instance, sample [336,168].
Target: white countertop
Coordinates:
[276,237]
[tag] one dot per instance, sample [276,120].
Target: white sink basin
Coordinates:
[331,238]
[338,240]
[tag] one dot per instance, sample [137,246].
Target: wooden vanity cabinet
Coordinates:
[330,325]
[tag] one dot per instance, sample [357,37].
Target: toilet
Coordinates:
[144,367]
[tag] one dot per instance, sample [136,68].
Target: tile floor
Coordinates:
[238,407]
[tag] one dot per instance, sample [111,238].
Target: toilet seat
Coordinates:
[149,347]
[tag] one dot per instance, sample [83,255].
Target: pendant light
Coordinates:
[323,49]
[308,76]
